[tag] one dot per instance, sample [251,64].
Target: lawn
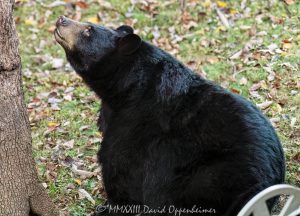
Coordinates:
[249,47]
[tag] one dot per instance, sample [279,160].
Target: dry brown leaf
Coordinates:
[287,44]
[289,2]
[296,157]
[82,4]
[295,134]
[234,90]
[212,59]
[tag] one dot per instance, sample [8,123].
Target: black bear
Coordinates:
[173,141]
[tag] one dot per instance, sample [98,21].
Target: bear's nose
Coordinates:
[62,20]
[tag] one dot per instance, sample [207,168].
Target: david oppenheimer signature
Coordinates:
[137,209]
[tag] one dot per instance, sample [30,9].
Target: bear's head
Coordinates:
[87,44]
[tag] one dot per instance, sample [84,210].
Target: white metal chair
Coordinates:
[258,207]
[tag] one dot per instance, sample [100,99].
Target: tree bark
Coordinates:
[20,192]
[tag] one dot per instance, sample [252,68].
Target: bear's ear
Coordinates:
[126,29]
[129,44]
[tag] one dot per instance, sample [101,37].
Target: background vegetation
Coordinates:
[250,47]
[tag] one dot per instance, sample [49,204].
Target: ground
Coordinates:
[249,47]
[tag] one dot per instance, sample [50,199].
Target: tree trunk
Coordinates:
[20,192]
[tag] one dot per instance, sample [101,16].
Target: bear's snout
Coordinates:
[62,21]
[67,32]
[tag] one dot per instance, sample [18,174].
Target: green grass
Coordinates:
[203,39]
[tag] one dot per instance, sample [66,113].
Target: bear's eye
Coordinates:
[87,31]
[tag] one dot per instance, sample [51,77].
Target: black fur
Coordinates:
[172,137]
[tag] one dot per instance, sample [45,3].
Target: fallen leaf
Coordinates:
[82,4]
[68,97]
[295,134]
[207,4]
[82,173]
[53,100]
[29,22]
[275,120]
[286,44]
[221,4]
[21,1]
[51,29]
[93,19]
[53,124]
[296,157]
[96,140]
[272,47]
[289,2]
[84,194]
[233,11]
[57,63]
[44,185]
[293,122]
[69,144]
[212,59]
[78,181]
[264,105]
[243,81]
[56,4]
[55,107]
[69,89]
[255,87]
[70,186]
[84,127]
[234,90]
